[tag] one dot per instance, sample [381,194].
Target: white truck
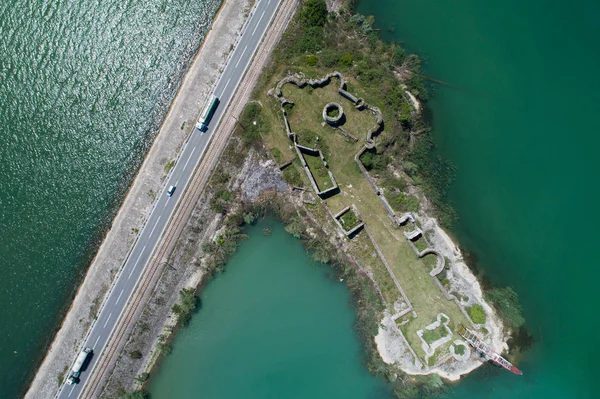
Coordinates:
[202,123]
[79,363]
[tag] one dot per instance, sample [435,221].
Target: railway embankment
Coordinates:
[138,203]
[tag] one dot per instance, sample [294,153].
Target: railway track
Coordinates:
[191,196]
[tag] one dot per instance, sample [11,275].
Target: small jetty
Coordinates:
[483,348]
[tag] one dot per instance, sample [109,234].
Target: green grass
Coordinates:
[61,376]
[319,171]
[349,220]
[430,336]
[308,111]
[169,165]
[306,138]
[364,250]
[292,176]
[421,244]
[477,314]
[430,261]
[401,202]
[412,273]
[276,154]
[459,349]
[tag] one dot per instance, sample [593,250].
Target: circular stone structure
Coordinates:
[333,120]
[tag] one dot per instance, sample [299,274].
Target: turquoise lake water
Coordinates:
[84,86]
[523,130]
[274,325]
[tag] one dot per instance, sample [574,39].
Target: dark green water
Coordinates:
[523,130]
[274,325]
[83,88]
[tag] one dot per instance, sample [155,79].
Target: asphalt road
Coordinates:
[179,177]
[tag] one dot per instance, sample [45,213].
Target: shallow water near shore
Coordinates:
[522,129]
[83,88]
[274,325]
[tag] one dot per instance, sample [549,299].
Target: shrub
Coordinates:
[406,114]
[437,173]
[295,227]
[288,108]
[221,177]
[235,219]
[506,302]
[410,168]
[477,314]
[225,195]
[398,56]
[291,175]
[391,183]
[216,205]
[346,60]
[165,348]
[249,218]
[185,307]
[314,13]
[309,40]
[375,161]
[135,354]
[207,247]
[330,58]
[416,85]
[395,98]
[311,60]
[401,202]
[142,378]
[333,112]
[134,395]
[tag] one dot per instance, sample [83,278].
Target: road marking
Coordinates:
[176,183]
[166,202]
[241,56]
[139,277]
[157,220]
[72,390]
[225,88]
[106,322]
[119,297]
[256,27]
[190,157]
[136,262]
[96,343]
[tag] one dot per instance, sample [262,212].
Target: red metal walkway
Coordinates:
[476,343]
